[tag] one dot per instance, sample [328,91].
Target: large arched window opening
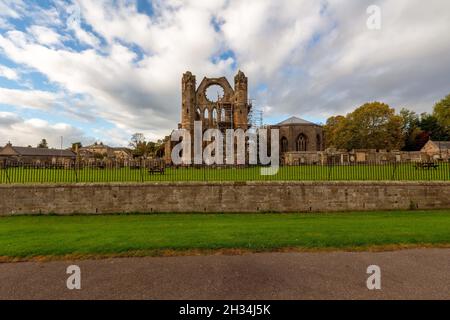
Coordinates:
[284,144]
[301,143]
[198,115]
[206,114]
[214,93]
[214,115]
[222,115]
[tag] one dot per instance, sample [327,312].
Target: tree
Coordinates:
[441,111]
[415,140]
[76,146]
[421,139]
[375,126]
[142,148]
[371,126]
[413,134]
[430,124]
[160,148]
[410,119]
[136,139]
[43,144]
[139,145]
[336,132]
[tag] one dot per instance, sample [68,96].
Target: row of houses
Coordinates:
[98,152]
[89,154]
[102,151]
[432,151]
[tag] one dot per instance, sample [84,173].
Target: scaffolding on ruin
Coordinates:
[225,120]
[255,116]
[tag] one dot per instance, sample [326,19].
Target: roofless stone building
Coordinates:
[215,103]
[218,105]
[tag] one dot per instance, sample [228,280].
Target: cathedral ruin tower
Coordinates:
[188,84]
[241,107]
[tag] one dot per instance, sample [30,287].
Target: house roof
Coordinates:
[30,151]
[122,149]
[442,144]
[96,146]
[104,146]
[294,120]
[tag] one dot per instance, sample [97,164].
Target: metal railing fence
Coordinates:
[143,171]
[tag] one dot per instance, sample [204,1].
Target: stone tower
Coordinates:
[188,85]
[241,106]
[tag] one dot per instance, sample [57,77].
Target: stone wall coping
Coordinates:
[228,183]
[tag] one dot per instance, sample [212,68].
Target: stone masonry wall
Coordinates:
[222,197]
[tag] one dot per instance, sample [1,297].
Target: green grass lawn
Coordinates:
[302,173]
[32,236]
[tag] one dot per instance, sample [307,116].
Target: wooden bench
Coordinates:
[426,165]
[153,170]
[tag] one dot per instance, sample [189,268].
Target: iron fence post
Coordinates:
[393,170]
[6,172]
[75,168]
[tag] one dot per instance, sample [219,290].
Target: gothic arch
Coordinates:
[198,114]
[284,144]
[228,91]
[301,142]
[214,115]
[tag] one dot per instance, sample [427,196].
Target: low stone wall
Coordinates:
[222,197]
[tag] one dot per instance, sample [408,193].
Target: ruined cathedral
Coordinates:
[226,108]
[220,106]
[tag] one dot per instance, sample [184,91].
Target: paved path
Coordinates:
[409,274]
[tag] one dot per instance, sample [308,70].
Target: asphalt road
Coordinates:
[408,274]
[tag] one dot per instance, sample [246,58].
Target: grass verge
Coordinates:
[25,238]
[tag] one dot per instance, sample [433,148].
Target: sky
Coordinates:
[102,70]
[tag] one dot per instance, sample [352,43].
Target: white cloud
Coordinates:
[84,36]
[12,8]
[22,132]
[266,35]
[44,35]
[8,118]
[144,95]
[403,64]
[33,99]
[8,73]
[4,24]
[314,58]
